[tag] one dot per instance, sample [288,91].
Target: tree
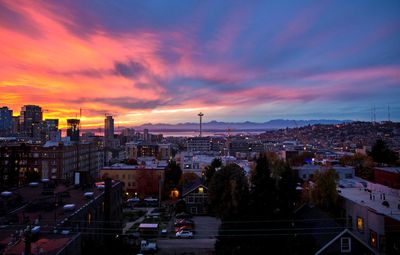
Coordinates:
[228,196]
[363,165]
[173,173]
[188,178]
[211,169]
[228,192]
[324,193]
[287,195]
[381,153]
[263,197]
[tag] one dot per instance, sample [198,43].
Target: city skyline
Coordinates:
[163,62]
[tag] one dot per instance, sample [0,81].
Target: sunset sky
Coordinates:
[165,61]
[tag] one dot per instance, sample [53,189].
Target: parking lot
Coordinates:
[206,229]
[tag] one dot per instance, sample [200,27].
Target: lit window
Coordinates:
[360,224]
[201,189]
[345,244]
[373,238]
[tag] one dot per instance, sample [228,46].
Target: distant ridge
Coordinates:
[239,126]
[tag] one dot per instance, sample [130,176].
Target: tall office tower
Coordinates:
[15,125]
[109,127]
[52,133]
[73,129]
[30,119]
[6,121]
[146,135]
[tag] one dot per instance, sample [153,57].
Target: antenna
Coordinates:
[374,114]
[389,113]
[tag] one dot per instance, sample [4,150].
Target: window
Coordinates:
[345,244]
[201,189]
[360,224]
[190,200]
[373,238]
[193,210]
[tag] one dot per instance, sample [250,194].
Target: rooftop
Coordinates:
[121,166]
[395,170]
[362,196]
[50,244]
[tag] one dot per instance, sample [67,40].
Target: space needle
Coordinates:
[201,116]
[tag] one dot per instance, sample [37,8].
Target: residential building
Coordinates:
[195,195]
[69,220]
[388,176]
[307,172]
[54,160]
[198,144]
[348,243]
[373,214]
[138,180]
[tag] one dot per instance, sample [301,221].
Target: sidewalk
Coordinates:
[128,225]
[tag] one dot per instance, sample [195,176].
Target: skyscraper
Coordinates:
[6,121]
[73,129]
[109,127]
[30,119]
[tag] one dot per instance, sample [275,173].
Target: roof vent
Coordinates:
[6,194]
[69,207]
[88,194]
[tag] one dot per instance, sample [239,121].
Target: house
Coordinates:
[348,243]
[313,228]
[196,197]
[373,215]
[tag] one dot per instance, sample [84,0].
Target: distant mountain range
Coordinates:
[239,126]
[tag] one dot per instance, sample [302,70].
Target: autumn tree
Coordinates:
[363,165]
[323,192]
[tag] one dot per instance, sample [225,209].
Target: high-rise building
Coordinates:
[109,127]
[15,125]
[73,129]
[5,121]
[30,119]
[51,131]
[146,137]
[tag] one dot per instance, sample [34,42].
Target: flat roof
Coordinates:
[50,244]
[361,196]
[395,170]
[148,225]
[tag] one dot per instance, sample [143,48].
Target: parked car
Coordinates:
[184,234]
[184,228]
[148,246]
